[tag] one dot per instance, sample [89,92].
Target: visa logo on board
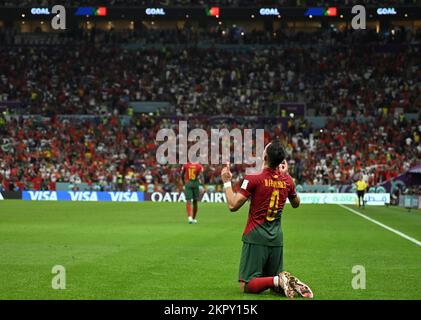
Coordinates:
[41,195]
[124,196]
[83,196]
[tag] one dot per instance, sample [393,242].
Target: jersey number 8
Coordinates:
[273,206]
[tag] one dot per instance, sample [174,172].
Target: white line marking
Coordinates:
[403,235]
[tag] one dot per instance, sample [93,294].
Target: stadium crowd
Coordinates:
[332,79]
[349,76]
[112,155]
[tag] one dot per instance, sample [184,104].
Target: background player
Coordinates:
[261,265]
[191,174]
[361,186]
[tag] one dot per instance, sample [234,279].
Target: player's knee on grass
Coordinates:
[244,289]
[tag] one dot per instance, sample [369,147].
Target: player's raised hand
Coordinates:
[226,174]
[283,167]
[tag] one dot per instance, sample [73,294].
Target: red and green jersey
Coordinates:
[191,171]
[268,192]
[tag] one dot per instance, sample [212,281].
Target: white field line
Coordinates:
[403,235]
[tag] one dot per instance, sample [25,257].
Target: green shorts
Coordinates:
[192,190]
[260,261]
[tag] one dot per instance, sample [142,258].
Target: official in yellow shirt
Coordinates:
[361,187]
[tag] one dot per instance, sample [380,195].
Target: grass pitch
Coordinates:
[149,251]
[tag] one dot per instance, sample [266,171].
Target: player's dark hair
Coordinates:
[275,154]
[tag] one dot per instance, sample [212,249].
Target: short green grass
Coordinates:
[148,251]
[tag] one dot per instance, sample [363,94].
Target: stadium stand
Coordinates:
[35,154]
[375,82]
[330,78]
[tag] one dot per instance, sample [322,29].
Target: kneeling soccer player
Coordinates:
[191,175]
[261,265]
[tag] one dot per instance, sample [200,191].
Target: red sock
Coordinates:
[258,285]
[188,207]
[194,211]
